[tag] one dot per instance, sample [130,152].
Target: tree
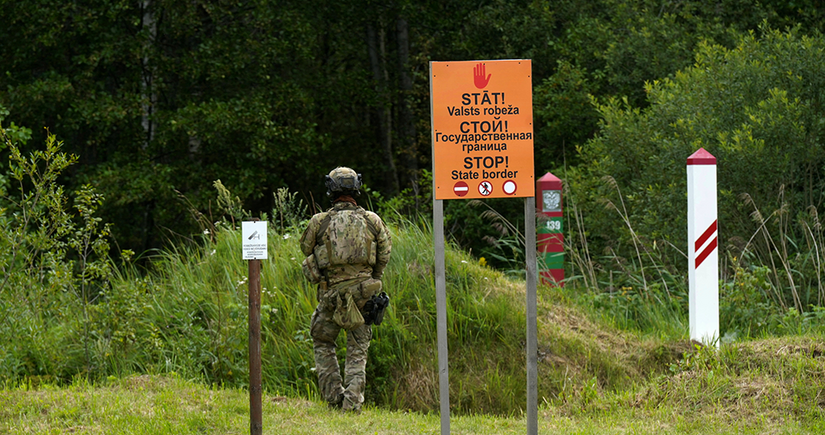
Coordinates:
[161,98]
[758,109]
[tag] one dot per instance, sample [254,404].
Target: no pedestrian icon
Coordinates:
[485,188]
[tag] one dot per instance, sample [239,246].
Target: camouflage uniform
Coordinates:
[353,238]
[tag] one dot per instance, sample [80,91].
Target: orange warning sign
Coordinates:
[482,129]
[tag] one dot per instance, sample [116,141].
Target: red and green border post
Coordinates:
[550,229]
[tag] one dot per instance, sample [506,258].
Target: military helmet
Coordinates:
[343,180]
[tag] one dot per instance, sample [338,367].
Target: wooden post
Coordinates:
[254,239]
[255,387]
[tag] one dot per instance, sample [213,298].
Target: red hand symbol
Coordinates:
[478,76]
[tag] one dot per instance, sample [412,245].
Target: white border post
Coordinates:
[703,255]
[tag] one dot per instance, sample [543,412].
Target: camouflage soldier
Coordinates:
[347,249]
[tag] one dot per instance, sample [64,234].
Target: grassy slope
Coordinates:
[698,401]
[594,378]
[198,312]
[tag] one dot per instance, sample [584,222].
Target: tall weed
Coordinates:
[54,264]
[766,283]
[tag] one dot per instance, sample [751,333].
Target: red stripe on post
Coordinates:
[546,240]
[553,276]
[705,236]
[704,254]
[551,247]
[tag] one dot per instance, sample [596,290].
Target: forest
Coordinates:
[160,99]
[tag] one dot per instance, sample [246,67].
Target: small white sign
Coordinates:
[254,240]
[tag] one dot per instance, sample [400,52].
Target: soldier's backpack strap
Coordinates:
[325,223]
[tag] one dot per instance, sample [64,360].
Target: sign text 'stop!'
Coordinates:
[482,120]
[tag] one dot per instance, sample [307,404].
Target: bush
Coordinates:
[758,109]
[54,265]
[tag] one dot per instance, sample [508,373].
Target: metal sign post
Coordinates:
[532,316]
[482,136]
[703,257]
[441,315]
[254,249]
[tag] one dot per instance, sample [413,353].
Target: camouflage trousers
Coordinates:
[350,394]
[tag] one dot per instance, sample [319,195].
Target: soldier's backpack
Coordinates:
[346,237]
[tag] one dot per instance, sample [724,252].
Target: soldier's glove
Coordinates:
[374,309]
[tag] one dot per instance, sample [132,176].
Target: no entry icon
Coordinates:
[461,188]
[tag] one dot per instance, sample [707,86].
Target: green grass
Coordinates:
[188,314]
[697,401]
[601,369]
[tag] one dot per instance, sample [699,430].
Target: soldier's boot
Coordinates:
[338,403]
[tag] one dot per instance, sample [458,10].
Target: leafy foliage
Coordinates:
[161,98]
[55,264]
[758,109]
